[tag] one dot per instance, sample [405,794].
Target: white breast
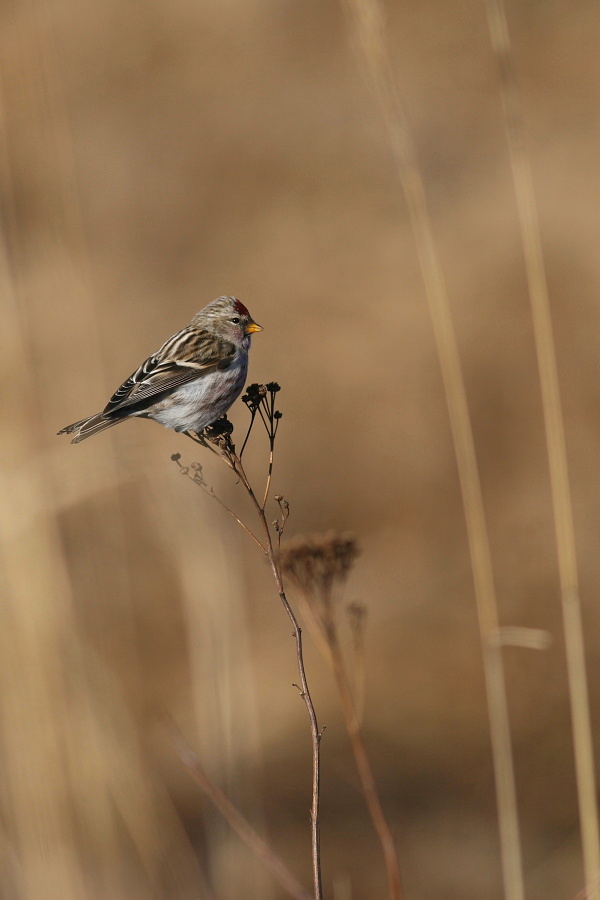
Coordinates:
[199,403]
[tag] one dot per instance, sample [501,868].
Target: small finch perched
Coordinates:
[191,381]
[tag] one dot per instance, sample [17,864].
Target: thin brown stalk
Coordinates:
[368,19]
[556,445]
[363,764]
[271,422]
[237,519]
[304,689]
[356,619]
[318,566]
[211,493]
[269,477]
[234,817]
[227,454]
[279,524]
[250,427]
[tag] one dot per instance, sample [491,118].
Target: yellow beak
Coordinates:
[251,327]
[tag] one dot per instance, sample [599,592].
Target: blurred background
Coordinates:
[153,156]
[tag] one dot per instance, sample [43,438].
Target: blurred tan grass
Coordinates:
[269,177]
[557,451]
[370,29]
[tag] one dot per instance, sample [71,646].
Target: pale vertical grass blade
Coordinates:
[69,747]
[86,819]
[37,625]
[368,18]
[556,444]
[137,803]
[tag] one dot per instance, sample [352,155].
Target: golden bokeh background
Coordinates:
[153,156]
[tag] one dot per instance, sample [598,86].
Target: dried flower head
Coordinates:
[219,434]
[318,563]
[254,395]
[260,399]
[222,427]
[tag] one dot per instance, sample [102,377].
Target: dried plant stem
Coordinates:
[369,23]
[240,523]
[208,490]
[234,817]
[319,566]
[363,765]
[269,476]
[356,620]
[304,690]
[217,439]
[555,440]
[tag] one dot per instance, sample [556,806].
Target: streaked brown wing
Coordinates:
[184,357]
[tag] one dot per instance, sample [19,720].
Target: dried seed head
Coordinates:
[220,428]
[318,563]
[219,434]
[253,396]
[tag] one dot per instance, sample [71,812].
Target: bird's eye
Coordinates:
[236,320]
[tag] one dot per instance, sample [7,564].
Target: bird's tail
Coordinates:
[86,428]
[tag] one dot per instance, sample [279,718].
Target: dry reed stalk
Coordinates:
[556,446]
[368,20]
[260,400]
[364,769]
[357,616]
[319,566]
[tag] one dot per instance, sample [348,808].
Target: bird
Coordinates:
[190,382]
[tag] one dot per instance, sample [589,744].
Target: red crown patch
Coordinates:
[239,307]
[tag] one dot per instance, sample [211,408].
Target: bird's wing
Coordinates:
[188,355]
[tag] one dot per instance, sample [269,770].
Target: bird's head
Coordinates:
[229,318]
